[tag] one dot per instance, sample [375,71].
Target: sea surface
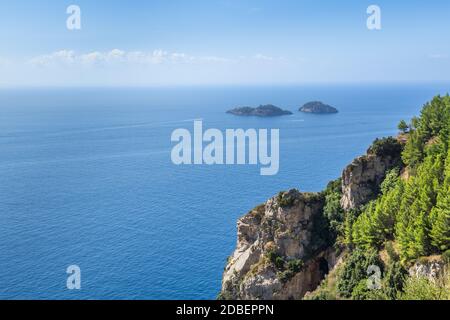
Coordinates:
[86,179]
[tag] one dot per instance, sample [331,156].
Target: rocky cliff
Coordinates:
[362,178]
[281,252]
[284,247]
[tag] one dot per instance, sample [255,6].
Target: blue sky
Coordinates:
[190,42]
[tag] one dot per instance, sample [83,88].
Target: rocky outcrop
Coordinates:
[362,178]
[282,251]
[284,247]
[429,268]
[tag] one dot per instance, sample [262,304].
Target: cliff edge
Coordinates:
[285,247]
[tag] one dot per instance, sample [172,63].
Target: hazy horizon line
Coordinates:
[218,85]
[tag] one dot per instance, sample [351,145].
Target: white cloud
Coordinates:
[58,57]
[91,58]
[260,56]
[216,59]
[117,56]
[136,68]
[121,57]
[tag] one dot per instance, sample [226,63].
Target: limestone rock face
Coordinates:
[428,269]
[362,178]
[280,253]
[284,248]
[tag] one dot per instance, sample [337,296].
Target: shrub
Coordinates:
[258,212]
[446,256]
[285,200]
[361,291]
[295,265]
[275,259]
[332,209]
[386,147]
[320,295]
[355,270]
[272,255]
[394,281]
[392,254]
[422,288]
[279,263]
[285,276]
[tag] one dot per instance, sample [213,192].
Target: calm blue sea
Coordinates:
[86,178]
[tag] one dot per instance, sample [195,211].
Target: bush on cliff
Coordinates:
[285,200]
[423,288]
[355,270]
[333,210]
[385,147]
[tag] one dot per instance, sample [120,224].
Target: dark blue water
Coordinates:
[86,179]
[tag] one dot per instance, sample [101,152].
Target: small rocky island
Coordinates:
[268,110]
[318,107]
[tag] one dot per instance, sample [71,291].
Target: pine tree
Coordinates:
[440,216]
[403,228]
[403,126]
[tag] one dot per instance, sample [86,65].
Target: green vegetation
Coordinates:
[394,280]
[285,200]
[433,123]
[279,263]
[422,288]
[446,256]
[385,147]
[333,210]
[355,271]
[414,212]
[290,269]
[286,270]
[403,126]
[409,219]
[272,256]
[295,265]
[376,223]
